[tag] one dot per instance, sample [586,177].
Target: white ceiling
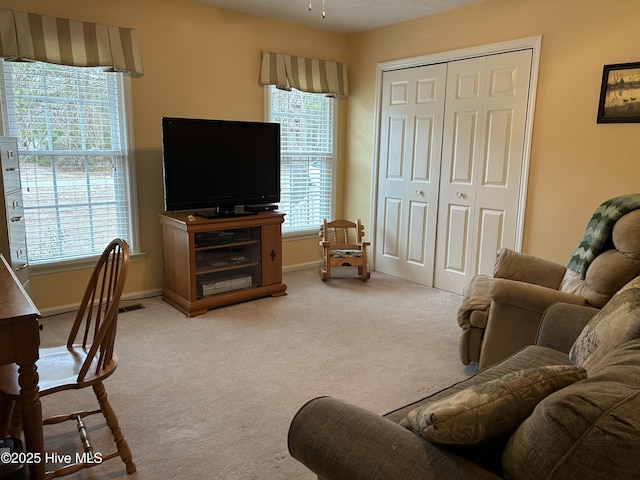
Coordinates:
[344,16]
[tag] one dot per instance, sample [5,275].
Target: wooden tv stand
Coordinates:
[210,263]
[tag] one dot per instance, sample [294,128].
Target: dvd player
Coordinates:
[262,207]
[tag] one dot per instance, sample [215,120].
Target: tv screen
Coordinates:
[219,164]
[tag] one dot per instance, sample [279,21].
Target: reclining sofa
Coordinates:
[566,407]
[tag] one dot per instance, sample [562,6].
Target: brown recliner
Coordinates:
[501,314]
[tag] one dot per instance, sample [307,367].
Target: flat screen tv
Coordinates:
[217,165]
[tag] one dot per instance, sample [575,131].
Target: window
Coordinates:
[307,157]
[71,129]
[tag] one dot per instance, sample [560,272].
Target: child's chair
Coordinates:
[342,245]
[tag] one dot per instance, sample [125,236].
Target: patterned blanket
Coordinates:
[599,230]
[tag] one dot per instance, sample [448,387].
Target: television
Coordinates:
[214,166]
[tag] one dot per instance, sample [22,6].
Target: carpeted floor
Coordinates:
[212,396]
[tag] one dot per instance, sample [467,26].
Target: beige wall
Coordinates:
[575,163]
[201,61]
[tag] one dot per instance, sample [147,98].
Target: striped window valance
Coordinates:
[29,36]
[304,74]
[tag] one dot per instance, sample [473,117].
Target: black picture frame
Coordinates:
[620,94]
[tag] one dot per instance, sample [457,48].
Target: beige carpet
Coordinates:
[211,397]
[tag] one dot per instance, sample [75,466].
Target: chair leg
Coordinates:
[112,422]
[15,428]
[326,271]
[10,417]
[364,273]
[7,406]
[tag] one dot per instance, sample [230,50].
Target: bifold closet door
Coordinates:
[450,166]
[412,114]
[482,157]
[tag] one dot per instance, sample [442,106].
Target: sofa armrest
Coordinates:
[527,268]
[561,324]
[514,317]
[528,296]
[338,441]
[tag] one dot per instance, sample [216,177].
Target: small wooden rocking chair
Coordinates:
[342,245]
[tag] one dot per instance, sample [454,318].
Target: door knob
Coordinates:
[420,192]
[459,194]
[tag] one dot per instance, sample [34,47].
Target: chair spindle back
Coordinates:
[98,313]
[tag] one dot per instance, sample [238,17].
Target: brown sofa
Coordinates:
[587,428]
[500,315]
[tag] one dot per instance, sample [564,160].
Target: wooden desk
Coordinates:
[19,342]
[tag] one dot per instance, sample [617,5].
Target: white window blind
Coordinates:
[70,126]
[307,157]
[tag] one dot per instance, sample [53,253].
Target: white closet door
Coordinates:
[450,167]
[482,157]
[412,116]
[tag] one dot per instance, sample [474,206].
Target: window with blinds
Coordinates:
[307,157]
[74,169]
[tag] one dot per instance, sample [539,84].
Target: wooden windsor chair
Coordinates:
[86,360]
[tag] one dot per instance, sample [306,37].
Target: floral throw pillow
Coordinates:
[490,410]
[617,323]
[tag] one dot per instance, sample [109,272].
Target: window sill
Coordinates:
[73,264]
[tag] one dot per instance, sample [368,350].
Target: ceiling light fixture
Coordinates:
[324,14]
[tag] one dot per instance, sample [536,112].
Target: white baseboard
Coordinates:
[301,266]
[47,312]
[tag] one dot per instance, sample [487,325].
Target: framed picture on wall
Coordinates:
[620,94]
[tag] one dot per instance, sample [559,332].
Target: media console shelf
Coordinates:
[212,262]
